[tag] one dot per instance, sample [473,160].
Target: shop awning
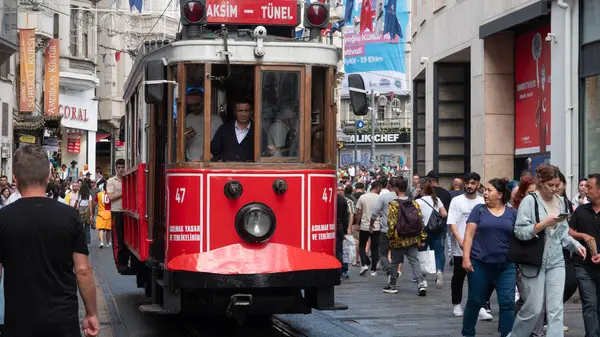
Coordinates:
[101,136]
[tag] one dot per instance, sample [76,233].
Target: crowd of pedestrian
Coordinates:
[523,240]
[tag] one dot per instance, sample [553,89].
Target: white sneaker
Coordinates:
[422,289]
[484,316]
[373,273]
[363,270]
[458,311]
[424,283]
[439,280]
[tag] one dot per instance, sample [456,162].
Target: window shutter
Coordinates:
[4,119]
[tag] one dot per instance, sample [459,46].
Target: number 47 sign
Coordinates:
[180,195]
[327,194]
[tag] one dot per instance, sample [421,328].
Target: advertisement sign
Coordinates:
[374,41]
[27,68]
[386,138]
[78,109]
[74,144]
[252,12]
[51,78]
[532,99]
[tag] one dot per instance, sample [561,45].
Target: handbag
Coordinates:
[436,221]
[529,252]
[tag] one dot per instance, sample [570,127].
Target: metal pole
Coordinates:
[356,160]
[372,128]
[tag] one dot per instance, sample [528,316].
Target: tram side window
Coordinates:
[317,116]
[174,117]
[280,104]
[195,109]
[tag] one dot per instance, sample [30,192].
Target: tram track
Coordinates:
[263,327]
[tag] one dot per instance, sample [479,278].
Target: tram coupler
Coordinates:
[238,307]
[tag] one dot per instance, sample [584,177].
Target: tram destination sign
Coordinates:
[253,12]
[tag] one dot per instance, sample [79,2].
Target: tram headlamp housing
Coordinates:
[255,222]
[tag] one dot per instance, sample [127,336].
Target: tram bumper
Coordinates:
[250,266]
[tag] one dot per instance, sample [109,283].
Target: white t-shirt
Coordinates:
[85,203]
[367,203]
[195,145]
[426,209]
[460,209]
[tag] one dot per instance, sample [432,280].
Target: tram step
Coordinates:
[156,309]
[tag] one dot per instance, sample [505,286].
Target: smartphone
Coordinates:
[563,215]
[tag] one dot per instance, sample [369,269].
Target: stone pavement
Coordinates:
[106,329]
[407,314]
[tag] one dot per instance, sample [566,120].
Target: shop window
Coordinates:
[280,104]
[5,69]
[592,124]
[591,21]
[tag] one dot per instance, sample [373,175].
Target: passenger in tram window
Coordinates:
[194,123]
[317,154]
[283,137]
[234,141]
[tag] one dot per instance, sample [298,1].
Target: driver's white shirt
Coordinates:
[277,136]
[195,147]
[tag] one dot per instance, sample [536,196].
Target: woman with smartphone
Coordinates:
[544,214]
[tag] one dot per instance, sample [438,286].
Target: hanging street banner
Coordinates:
[27,69]
[51,78]
[375,33]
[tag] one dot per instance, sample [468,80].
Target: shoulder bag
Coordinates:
[529,252]
[436,221]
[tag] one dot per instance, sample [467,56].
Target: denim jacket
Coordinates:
[553,248]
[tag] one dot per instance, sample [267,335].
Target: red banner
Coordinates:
[27,68]
[51,78]
[73,144]
[532,99]
[254,12]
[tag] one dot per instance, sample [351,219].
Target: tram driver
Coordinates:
[234,140]
[194,123]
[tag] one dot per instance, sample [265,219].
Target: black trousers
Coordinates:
[458,280]
[363,238]
[120,252]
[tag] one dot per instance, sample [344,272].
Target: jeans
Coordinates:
[362,244]
[486,275]
[2,299]
[553,282]
[391,268]
[589,289]
[458,280]
[88,234]
[339,249]
[435,242]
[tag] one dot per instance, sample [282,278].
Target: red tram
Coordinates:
[212,234]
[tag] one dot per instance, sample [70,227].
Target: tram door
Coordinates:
[156,177]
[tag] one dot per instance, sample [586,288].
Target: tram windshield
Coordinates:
[256,114]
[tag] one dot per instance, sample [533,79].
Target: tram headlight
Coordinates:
[255,222]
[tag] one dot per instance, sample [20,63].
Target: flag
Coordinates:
[366,16]
[337,26]
[117,56]
[137,4]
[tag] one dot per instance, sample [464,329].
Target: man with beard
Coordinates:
[460,209]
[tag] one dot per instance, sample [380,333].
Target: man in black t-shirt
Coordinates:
[440,192]
[45,258]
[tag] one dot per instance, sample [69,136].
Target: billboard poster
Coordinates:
[51,78]
[532,98]
[375,33]
[27,46]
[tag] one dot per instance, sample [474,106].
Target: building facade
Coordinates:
[381,55]
[64,116]
[120,37]
[501,92]
[9,44]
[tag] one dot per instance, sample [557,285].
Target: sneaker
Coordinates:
[101,245]
[345,275]
[484,316]
[422,289]
[565,328]
[439,279]
[424,283]
[390,289]
[363,270]
[373,273]
[415,280]
[487,307]
[458,311]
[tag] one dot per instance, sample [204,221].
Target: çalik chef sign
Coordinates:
[388,138]
[532,98]
[78,109]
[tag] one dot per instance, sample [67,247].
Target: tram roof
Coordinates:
[277,52]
